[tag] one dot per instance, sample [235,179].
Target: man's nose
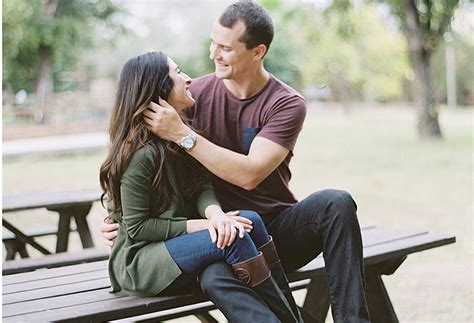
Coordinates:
[213,52]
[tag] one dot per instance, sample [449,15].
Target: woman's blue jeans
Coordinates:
[195,251]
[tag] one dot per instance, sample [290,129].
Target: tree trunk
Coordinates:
[428,125]
[44,85]
[45,82]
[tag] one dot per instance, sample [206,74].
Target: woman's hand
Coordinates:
[109,230]
[223,227]
[196,225]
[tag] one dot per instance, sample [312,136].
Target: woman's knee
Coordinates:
[257,221]
[243,243]
[252,216]
[242,249]
[259,233]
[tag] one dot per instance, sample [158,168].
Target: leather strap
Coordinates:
[270,253]
[253,271]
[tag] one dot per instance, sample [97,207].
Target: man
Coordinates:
[248,122]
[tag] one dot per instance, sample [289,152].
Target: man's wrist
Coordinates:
[188,141]
[179,134]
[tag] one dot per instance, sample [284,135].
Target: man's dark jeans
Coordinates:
[325,221]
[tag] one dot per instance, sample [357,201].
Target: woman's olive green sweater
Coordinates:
[140,263]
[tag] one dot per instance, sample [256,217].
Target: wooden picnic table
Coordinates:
[79,293]
[69,204]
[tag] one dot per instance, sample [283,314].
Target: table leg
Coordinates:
[64,229]
[205,317]
[80,216]
[79,213]
[15,246]
[317,302]
[378,300]
[24,238]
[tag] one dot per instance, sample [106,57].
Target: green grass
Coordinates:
[397,180]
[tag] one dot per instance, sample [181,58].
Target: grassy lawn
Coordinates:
[397,180]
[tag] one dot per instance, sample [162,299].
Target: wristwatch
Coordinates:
[188,141]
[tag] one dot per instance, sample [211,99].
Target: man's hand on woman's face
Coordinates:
[109,230]
[163,120]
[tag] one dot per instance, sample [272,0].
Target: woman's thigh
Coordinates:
[194,251]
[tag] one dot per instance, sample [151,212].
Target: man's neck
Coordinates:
[250,85]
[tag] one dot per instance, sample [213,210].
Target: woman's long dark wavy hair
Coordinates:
[144,78]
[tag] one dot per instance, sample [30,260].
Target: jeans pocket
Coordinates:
[247,137]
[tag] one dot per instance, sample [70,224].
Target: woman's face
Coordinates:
[180,97]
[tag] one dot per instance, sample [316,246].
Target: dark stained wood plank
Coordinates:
[44,304]
[56,291]
[91,301]
[53,261]
[54,272]
[18,202]
[402,247]
[53,282]
[382,248]
[109,309]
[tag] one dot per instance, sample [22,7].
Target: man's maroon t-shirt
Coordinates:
[276,113]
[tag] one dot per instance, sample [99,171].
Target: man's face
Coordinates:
[231,57]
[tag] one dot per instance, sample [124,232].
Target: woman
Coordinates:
[168,214]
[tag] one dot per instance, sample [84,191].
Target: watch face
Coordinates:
[188,143]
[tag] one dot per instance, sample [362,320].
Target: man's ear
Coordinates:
[259,52]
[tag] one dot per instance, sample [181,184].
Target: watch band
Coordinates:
[188,141]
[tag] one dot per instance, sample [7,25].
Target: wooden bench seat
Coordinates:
[53,261]
[81,292]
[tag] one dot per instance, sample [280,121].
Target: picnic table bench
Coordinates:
[80,293]
[69,204]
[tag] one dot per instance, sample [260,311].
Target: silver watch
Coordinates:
[188,141]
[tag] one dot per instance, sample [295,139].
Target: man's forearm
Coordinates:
[230,166]
[235,168]
[245,171]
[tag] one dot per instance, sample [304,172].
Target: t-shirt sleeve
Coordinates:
[284,122]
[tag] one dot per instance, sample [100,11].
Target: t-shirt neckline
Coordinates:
[233,97]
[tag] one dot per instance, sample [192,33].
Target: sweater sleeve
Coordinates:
[206,197]
[135,193]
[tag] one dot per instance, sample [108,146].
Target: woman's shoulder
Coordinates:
[144,156]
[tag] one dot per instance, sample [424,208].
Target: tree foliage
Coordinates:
[423,22]
[30,25]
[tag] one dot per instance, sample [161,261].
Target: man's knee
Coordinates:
[340,204]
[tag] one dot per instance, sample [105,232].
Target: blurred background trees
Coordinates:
[343,50]
[44,38]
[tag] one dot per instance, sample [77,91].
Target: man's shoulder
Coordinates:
[284,90]
[203,81]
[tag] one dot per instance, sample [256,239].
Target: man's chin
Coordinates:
[221,74]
